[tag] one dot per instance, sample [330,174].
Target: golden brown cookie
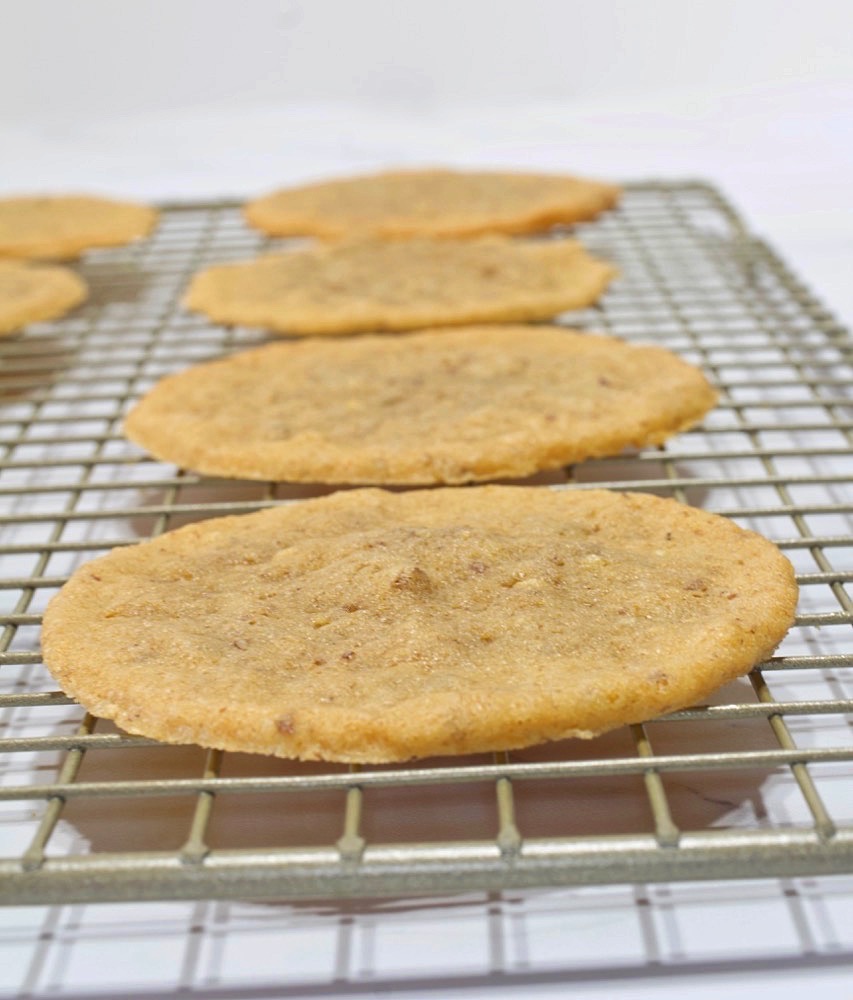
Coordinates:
[440,406]
[376,285]
[63,226]
[431,203]
[30,293]
[372,626]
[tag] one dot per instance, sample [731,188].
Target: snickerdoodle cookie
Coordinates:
[63,226]
[431,202]
[33,292]
[374,626]
[439,406]
[375,285]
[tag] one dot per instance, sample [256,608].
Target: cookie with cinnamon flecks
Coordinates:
[431,202]
[373,626]
[439,406]
[30,293]
[63,226]
[376,285]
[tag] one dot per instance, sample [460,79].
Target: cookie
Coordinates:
[431,203]
[63,226]
[372,626]
[376,285]
[439,406]
[30,293]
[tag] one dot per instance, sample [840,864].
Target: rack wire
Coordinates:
[756,783]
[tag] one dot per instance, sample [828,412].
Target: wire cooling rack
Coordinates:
[757,783]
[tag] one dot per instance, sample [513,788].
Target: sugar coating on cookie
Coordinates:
[376,285]
[439,406]
[63,226]
[372,626]
[30,293]
[436,202]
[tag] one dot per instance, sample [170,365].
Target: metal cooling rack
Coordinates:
[756,784]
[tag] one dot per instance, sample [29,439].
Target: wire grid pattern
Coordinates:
[755,783]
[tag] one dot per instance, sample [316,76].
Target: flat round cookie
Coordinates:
[431,203]
[372,626]
[30,293]
[376,285]
[63,226]
[440,406]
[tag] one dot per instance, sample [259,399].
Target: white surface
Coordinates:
[750,939]
[192,100]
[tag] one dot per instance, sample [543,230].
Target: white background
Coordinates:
[196,99]
[119,58]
